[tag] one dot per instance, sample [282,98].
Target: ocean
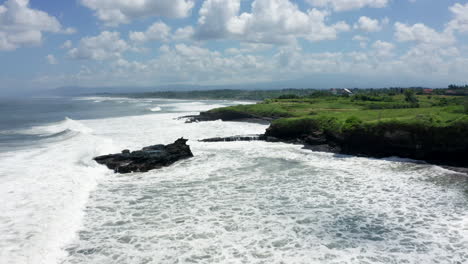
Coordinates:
[234,202]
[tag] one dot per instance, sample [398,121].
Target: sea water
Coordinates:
[234,202]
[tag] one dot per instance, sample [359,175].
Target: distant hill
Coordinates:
[77,90]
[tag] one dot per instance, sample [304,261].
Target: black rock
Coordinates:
[226,116]
[235,138]
[148,158]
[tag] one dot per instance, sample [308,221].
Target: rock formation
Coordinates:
[148,158]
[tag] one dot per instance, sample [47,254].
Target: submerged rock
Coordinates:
[235,138]
[148,158]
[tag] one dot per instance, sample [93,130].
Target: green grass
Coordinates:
[339,113]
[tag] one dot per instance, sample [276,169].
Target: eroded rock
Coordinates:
[148,158]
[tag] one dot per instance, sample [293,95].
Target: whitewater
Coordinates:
[234,202]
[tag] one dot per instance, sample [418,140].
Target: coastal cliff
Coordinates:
[439,145]
[422,137]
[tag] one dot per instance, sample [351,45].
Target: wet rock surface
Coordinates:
[235,138]
[146,159]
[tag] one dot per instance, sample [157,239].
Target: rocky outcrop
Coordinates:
[146,159]
[226,115]
[235,138]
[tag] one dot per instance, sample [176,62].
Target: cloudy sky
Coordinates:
[305,43]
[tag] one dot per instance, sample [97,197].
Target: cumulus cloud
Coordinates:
[183,63]
[115,12]
[345,5]
[383,49]
[362,40]
[106,45]
[421,33]
[159,31]
[21,25]
[183,34]
[369,25]
[246,48]
[67,44]
[460,20]
[270,21]
[217,18]
[51,59]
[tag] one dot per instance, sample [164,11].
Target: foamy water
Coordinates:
[234,202]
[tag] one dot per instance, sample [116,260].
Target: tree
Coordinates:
[410,97]
[465,106]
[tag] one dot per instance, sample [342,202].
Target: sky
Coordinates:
[46,44]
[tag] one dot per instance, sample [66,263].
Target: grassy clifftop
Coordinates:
[429,110]
[433,128]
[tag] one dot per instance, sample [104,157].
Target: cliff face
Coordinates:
[440,145]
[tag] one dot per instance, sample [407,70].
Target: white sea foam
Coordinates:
[256,202]
[43,192]
[234,202]
[155,109]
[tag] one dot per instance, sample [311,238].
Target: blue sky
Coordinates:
[302,43]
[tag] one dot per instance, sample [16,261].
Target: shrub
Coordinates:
[292,127]
[352,123]
[288,96]
[441,102]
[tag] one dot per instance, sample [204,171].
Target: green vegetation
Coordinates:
[380,96]
[341,113]
[419,124]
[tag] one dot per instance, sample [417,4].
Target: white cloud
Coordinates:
[21,25]
[67,44]
[69,31]
[182,63]
[345,5]
[106,45]
[383,49]
[421,33]
[115,12]
[51,59]
[216,18]
[183,34]
[156,32]
[246,48]
[368,24]
[270,21]
[362,40]
[460,20]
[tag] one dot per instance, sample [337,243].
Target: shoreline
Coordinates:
[338,144]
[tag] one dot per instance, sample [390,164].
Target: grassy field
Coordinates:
[433,128]
[432,110]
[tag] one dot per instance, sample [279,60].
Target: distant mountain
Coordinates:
[314,81]
[78,90]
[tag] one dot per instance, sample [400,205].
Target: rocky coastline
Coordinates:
[226,116]
[378,142]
